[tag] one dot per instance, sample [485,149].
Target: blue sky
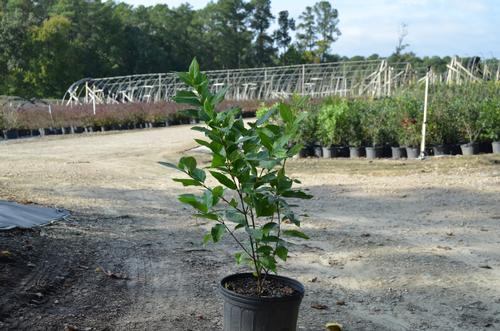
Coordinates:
[435,27]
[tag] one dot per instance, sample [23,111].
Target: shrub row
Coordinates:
[457,114]
[16,122]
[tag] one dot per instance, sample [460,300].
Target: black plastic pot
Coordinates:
[243,313]
[397,152]
[372,152]
[304,152]
[328,152]
[440,150]
[496,147]
[412,152]
[469,149]
[354,152]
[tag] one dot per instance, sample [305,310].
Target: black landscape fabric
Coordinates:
[15,215]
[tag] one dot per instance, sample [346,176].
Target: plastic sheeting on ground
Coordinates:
[15,215]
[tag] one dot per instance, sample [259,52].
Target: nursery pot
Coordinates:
[372,152]
[354,152]
[329,152]
[496,147]
[469,149]
[412,152]
[245,313]
[317,151]
[304,152]
[397,152]
[440,150]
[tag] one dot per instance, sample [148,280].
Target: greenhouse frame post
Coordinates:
[424,122]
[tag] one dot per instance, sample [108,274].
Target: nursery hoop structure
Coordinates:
[351,78]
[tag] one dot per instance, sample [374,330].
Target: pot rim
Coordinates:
[244,298]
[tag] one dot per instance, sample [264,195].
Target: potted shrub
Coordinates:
[393,128]
[491,117]
[331,125]
[373,122]
[410,121]
[354,130]
[307,133]
[249,164]
[468,105]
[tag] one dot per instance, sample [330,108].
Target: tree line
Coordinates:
[47,45]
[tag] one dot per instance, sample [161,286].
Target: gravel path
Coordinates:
[395,245]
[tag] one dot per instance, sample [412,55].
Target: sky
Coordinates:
[435,27]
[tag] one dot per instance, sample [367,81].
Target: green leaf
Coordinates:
[266,250]
[255,233]
[198,174]
[296,194]
[190,100]
[235,217]
[201,129]
[220,95]
[203,143]
[187,162]
[224,180]
[187,182]
[207,237]
[269,262]
[218,193]
[268,227]
[185,78]
[294,150]
[266,116]
[210,216]
[193,201]
[217,232]
[263,207]
[218,160]
[207,199]
[168,165]
[282,252]
[285,112]
[194,68]
[238,258]
[295,233]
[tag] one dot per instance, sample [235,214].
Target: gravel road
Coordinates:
[395,245]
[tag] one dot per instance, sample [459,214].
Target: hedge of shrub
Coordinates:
[36,119]
[457,114]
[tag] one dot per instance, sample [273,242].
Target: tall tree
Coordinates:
[226,24]
[260,22]
[282,35]
[326,26]
[307,29]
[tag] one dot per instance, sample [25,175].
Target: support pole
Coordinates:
[424,122]
[303,79]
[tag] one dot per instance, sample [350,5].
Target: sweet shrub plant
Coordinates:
[249,164]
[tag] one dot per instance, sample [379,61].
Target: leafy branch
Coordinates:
[248,162]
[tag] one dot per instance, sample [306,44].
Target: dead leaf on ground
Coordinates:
[319,306]
[446,248]
[111,274]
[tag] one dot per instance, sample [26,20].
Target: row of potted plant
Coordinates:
[462,115]
[37,120]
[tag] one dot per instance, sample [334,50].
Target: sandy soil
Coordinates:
[395,245]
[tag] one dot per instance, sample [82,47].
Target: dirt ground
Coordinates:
[395,245]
